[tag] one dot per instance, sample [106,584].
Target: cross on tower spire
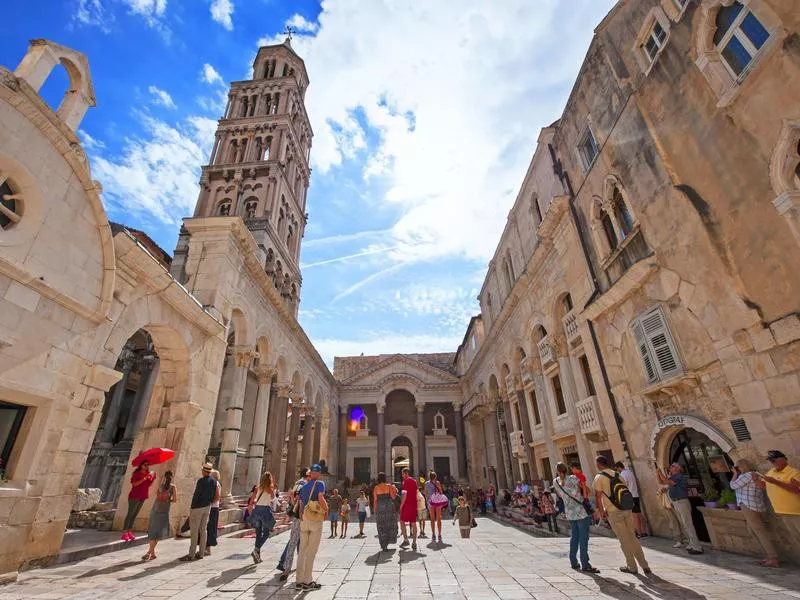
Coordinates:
[289,33]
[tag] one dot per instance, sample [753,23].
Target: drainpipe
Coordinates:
[565,181]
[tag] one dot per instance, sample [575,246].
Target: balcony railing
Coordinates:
[475,401]
[589,416]
[546,353]
[538,433]
[571,329]
[517,444]
[630,251]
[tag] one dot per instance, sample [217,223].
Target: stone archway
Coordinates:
[402,456]
[664,431]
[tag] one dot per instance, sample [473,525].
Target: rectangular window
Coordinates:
[11,417]
[587,376]
[739,36]
[654,42]
[561,407]
[588,149]
[537,420]
[656,346]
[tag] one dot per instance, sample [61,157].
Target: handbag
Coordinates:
[312,510]
[587,506]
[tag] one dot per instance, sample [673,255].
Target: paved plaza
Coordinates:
[497,562]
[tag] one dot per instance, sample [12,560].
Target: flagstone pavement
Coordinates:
[498,562]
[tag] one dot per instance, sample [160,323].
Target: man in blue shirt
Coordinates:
[310,529]
[679,496]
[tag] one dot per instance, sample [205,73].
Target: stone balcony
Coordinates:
[546,353]
[571,330]
[563,425]
[538,434]
[591,423]
[475,402]
[517,444]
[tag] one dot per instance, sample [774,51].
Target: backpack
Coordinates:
[620,496]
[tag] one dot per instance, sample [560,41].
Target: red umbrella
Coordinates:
[153,456]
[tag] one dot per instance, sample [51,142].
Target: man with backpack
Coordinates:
[615,502]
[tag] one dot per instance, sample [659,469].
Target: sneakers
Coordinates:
[590,569]
[312,586]
[414,546]
[187,558]
[627,570]
[127,537]
[422,536]
[677,545]
[404,544]
[694,552]
[256,555]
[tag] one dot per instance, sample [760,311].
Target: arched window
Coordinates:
[536,210]
[438,421]
[539,333]
[224,208]
[362,423]
[267,148]
[608,228]
[290,237]
[281,220]
[10,205]
[621,212]
[250,209]
[243,112]
[739,36]
[566,303]
[797,166]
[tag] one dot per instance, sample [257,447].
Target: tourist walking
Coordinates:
[750,498]
[335,504]
[206,491]
[437,501]
[630,481]
[679,496]
[783,489]
[213,517]
[422,514]
[141,480]
[383,496]
[464,517]
[568,488]
[491,496]
[158,528]
[548,509]
[344,514]
[287,557]
[263,519]
[621,520]
[408,509]
[362,504]
[313,511]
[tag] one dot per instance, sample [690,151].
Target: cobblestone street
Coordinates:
[497,562]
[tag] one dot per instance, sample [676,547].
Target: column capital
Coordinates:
[343,409]
[380,406]
[420,406]
[296,396]
[310,410]
[243,355]
[457,404]
[264,374]
[284,390]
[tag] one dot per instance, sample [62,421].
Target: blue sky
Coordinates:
[425,117]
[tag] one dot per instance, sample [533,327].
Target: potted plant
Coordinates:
[728,498]
[710,498]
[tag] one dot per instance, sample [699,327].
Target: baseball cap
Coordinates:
[775,455]
[316,469]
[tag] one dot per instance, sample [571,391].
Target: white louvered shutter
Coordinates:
[661,344]
[644,350]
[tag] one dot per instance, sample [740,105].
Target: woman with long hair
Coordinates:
[158,529]
[213,517]
[437,501]
[262,518]
[385,515]
[141,480]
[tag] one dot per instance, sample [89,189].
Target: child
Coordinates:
[464,517]
[344,514]
[361,507]
[421,514]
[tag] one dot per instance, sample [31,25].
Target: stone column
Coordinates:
[306,458]
[148,374]
[502,481]
[111,421]
[317,450]
[215,150]
[544,399]
[381,464]
[527,432]
[233,425]
[571,400]
[512,465]
[461,449]
[341,463]
[255,453]
[290,475]
[422,459]
[278,437]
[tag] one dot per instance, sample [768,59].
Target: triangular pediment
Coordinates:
[398,366]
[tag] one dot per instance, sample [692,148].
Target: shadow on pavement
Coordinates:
[653,585]
[152,570]
[230,575]
[380,557]
[110,569]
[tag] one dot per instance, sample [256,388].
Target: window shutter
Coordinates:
[661,344]
[644,350]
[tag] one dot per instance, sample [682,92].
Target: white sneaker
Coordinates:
[677,545]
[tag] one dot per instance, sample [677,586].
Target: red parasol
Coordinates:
[153,456]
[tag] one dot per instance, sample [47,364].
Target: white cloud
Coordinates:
[157,176]
[151,10]
[160,97]
[458,94]
[90,143]
[300,24]
[210,75]
[221,12]
[93,13]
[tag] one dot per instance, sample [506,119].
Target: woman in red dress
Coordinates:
[408,509]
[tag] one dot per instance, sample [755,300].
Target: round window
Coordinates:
[10,206]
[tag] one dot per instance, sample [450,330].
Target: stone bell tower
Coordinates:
[259,166]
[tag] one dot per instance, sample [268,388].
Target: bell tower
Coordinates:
[259,166]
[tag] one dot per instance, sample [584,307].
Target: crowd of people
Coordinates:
[406,509]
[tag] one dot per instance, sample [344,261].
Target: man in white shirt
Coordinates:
[630,480]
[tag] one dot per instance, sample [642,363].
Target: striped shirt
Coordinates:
[748,493]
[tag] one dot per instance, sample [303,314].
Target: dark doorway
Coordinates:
[362,470]
[441,466]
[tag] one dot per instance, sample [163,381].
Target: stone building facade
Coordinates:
[664,202]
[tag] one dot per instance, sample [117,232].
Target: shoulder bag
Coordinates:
[587,506]
[312,510]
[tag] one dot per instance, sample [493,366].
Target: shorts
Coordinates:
[345,518]
[334,517]
[422,514]
[637,507]
[362,517]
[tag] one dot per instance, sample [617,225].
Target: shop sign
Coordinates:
[670,421]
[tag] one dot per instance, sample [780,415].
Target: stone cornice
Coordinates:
[248,248]
[400,358]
